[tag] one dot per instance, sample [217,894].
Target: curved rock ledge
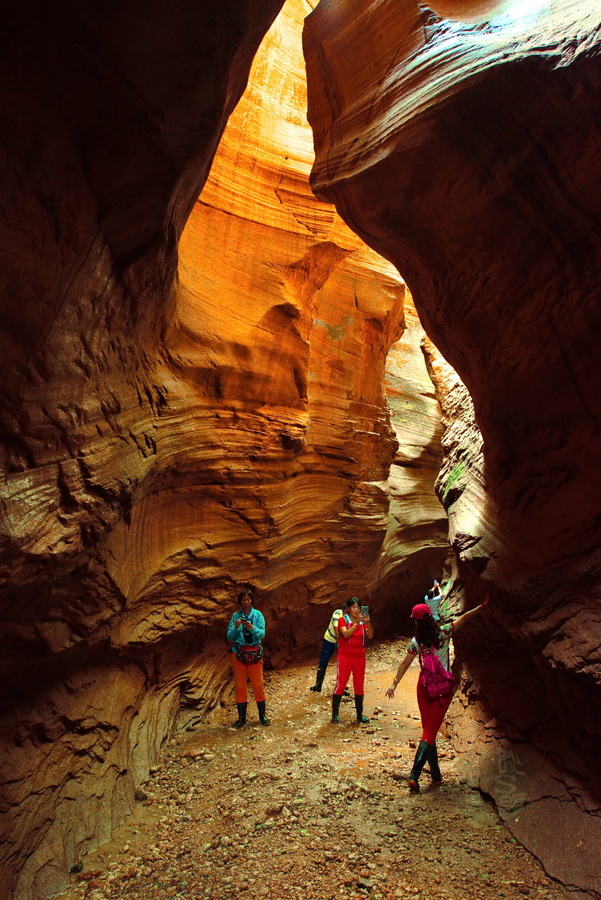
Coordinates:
[468,156]
[163,443]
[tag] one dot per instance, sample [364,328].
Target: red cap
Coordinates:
[421,611]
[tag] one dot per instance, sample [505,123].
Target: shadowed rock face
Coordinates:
[469,157]
[109,120]
[164,442]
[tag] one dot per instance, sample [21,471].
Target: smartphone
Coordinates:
[365,611]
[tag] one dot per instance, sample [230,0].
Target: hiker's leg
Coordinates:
[336,698]
[327,650]
[434,767]
[358,687]
[319,679]
[423,751]
[432,714]
[241,715]
[359,675]
[344,666]
[240,678]
[255,673]
[262,717]
[363,720]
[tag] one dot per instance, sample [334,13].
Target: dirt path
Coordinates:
[309,810]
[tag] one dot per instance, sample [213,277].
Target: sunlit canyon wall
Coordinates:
[468,155]
[165,441]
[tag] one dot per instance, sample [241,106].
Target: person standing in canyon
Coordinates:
[430,639]
[353,628]
[433,598]
[330,641]
[246,631]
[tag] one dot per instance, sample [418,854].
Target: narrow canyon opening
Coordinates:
[302,297]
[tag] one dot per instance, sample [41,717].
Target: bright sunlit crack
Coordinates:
[519,12]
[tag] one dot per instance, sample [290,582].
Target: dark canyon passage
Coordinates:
[260,405]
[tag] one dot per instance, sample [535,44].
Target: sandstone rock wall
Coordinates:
[280,340]
[164,442]
[101,161]
[510,735]
[416,544]
[468,156]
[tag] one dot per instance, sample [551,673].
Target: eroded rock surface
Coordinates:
[163,443]
[416,543]
[468,156]
[110,119]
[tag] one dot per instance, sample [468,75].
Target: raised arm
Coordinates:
[368,626]
[403,666]
[464,617]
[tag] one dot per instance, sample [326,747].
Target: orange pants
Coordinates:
[241,675]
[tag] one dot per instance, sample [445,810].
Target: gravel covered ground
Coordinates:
[309,810]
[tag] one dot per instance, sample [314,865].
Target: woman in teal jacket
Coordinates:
[246,630]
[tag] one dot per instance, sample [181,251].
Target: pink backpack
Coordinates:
[434,679]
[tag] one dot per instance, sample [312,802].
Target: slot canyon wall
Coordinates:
[468,155]
[170,434]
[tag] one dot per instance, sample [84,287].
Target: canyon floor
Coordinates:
[311,811]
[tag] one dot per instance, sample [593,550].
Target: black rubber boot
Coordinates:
[336,698]
[434,767]
[319,679]
[262,717]
[241,715]
[359,707]
[421,756]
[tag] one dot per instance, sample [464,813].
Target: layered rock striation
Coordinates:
[168,435]
[110,119]
[416,545]
[467,154]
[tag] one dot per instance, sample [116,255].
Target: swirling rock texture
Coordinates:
[164,442]
[286,336]
[416,543]
[110,119]
[468,155]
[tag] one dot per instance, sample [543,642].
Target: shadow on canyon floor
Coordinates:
[307,810]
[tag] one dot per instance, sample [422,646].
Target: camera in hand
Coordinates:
[365,611]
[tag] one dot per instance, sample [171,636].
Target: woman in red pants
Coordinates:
[429,636]
[353,628]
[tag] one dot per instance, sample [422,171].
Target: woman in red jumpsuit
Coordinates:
[353,628]
[429,634]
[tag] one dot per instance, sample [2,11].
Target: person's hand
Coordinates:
[238,623]
[250,625]
[390,692]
